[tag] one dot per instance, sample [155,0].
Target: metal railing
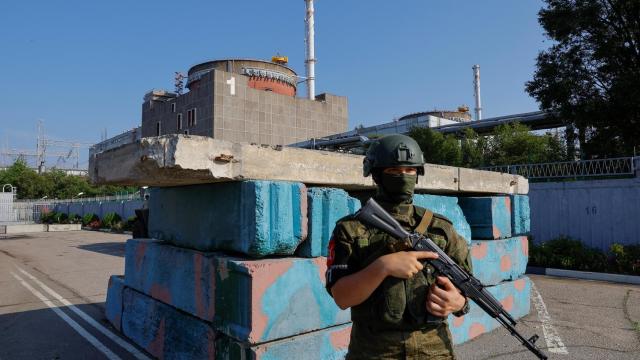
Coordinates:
[571,169]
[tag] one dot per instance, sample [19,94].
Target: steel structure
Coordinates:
[572,169]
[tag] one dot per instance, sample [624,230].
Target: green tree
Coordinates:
[29,183]
[473,148]
[590,76]
[515,144]
[437,148]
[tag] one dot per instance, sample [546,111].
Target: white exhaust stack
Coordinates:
[476,92]
[311,60]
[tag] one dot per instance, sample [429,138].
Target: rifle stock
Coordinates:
[374,215]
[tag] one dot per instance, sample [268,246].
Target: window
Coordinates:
[179,122]
[191,117]
[173,107]
[158,128]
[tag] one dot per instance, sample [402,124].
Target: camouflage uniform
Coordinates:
[393,322]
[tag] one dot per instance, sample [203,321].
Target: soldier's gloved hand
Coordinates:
[404,264]
[444,298]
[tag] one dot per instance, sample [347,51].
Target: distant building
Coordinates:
[243,101]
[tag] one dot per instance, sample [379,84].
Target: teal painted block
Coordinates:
[514,297]
[113,306]
[269,299]
[180,277]
[327,344]
[495,261]
[489,217]
[448,207]
[521,215]
[164,331]
[256,218]
[326,206]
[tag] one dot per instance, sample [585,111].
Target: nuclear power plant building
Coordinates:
[243,101]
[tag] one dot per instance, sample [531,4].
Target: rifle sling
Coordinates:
[424,222]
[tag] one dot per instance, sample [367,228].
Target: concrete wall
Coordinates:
[598,212]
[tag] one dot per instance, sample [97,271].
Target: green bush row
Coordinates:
[111,220]
[568,253]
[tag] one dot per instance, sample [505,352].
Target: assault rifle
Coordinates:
[374,215]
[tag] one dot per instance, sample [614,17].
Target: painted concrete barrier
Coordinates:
[514,296]
[113,306]
[265,300]
[495,261]
[447,206]
[164,331]
[180,277]
[327,344]
[520,215]
[326,206]
[489,217]
[257,218]
[22,228]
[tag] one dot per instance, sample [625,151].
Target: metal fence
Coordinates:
[571,169]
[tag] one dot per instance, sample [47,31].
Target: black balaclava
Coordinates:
[395,188]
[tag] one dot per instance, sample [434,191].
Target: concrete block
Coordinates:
[265,300]
[495,261]
[447,206]
[163,331]
[64,227]
[489,217]
[480,181]
[327,344]
[256,218]
[174,160]
[326,206]
[25,228]
[514,296]
[520,215]
[182,278]
[113,306]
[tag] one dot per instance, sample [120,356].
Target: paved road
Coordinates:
[581,319]
[69,272]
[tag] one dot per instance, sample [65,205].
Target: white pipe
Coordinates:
[311,60]
[476,88]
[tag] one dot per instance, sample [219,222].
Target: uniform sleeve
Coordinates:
[339,256]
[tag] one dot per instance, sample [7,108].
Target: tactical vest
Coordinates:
[399,303]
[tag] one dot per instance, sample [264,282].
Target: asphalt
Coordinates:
[590,319]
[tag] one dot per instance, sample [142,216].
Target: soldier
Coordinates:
[398,306]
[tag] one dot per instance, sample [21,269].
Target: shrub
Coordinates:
[567,253]
[46,216]
[60,218]
[75,219]
[118,226]
[95,224]
[89,218]
[110,219]
[131,221]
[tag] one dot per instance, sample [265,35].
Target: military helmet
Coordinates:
[393,151]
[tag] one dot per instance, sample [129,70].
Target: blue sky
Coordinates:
[84,66]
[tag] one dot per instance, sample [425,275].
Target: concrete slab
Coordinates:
[265,300]
[514,297]
[520,215]
[495,261]
[326,206]
[163,331]
[257,218]
[489,217]
[447,206]
[327,344]
[182,278]
[64,227]
[113,306]
[23,228]
[174,160]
